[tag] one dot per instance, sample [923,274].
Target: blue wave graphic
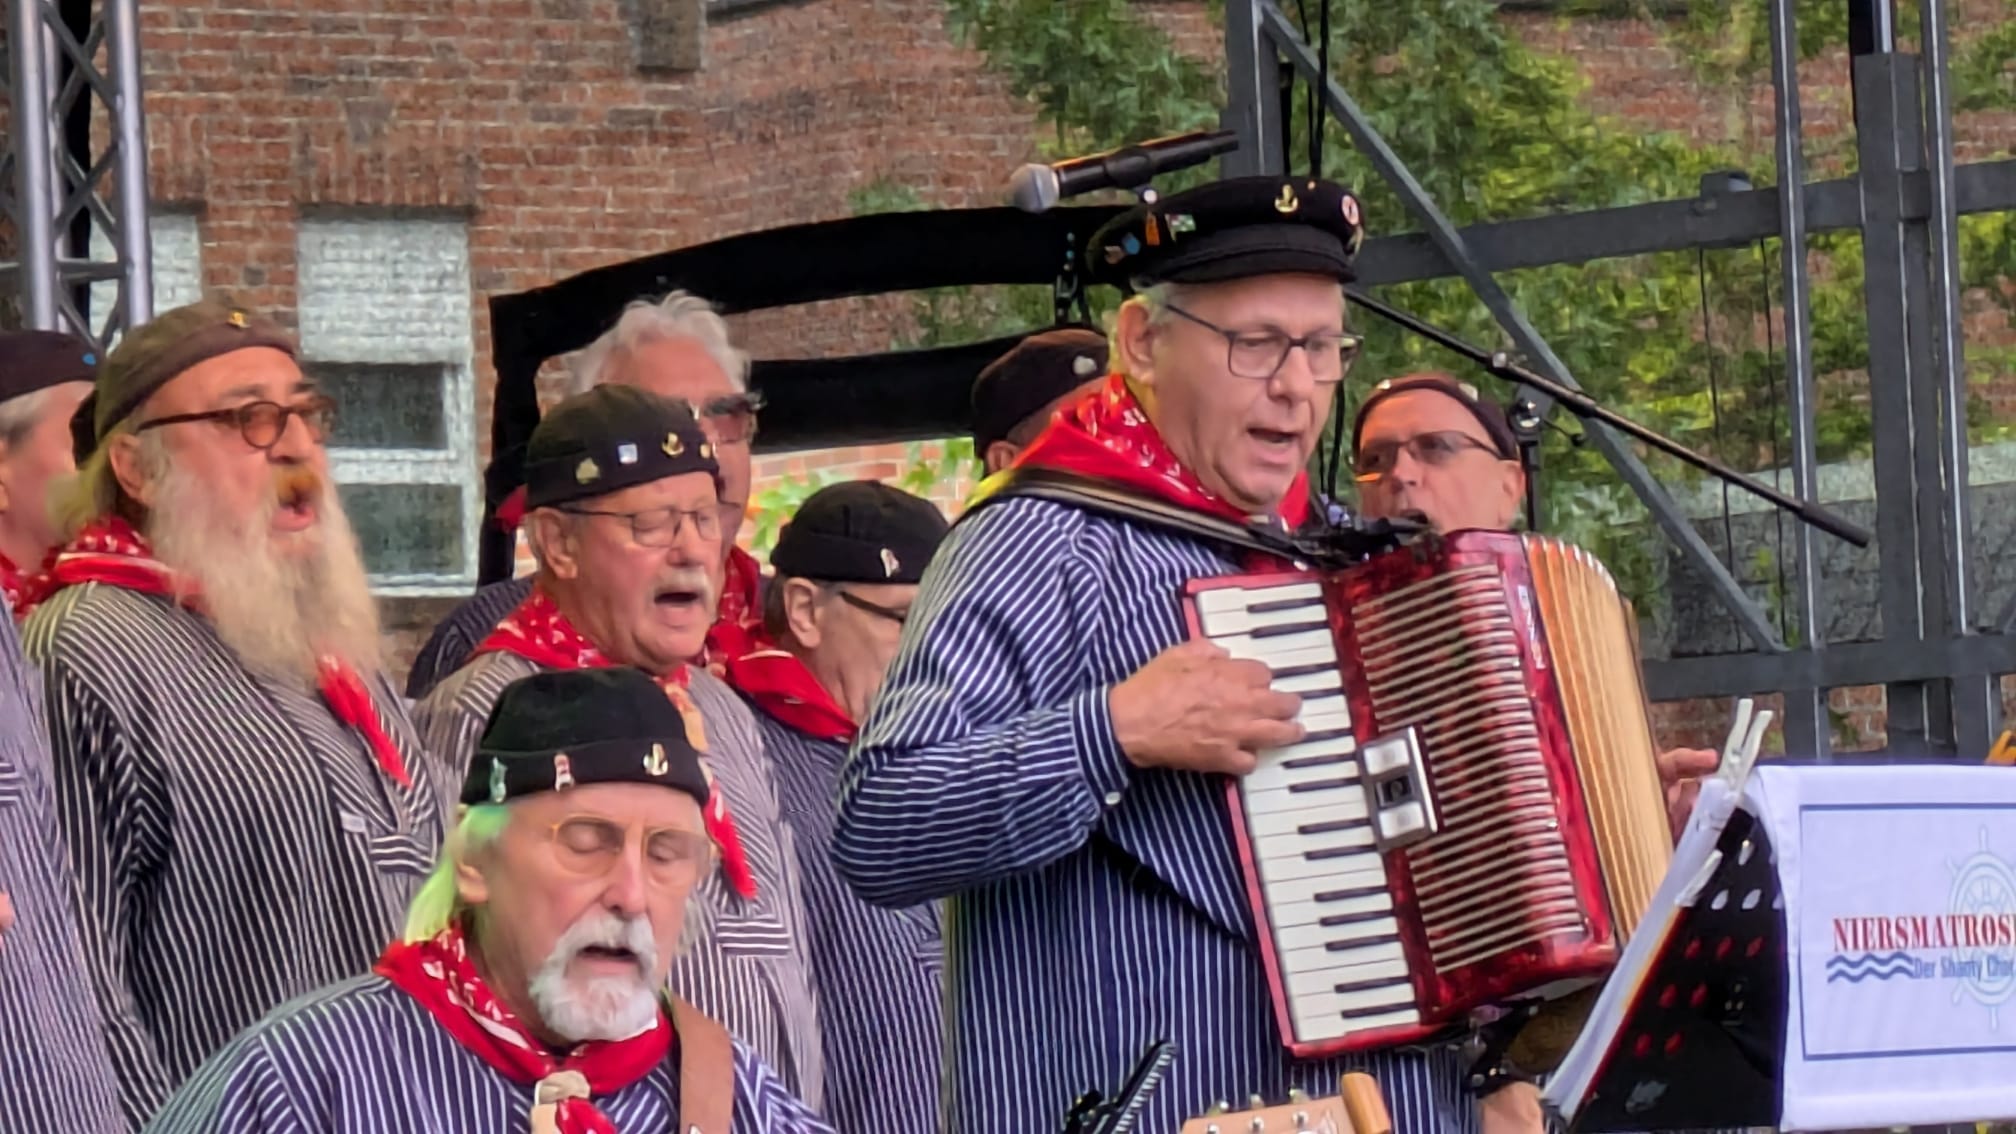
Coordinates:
[1869,966]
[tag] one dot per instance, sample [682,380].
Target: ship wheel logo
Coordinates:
[1985,886]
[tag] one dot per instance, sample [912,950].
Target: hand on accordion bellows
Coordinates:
[1680,770]
[1196,707]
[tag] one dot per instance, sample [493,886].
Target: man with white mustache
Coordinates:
[622,498]
[244,800]
[526,993]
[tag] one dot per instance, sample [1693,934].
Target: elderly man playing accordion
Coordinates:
[1052,753]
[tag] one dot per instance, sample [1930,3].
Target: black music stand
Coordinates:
[1700,1044]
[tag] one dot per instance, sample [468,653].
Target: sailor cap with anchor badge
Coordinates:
[609,439]
[859,531]
[1232,229]
[564,728]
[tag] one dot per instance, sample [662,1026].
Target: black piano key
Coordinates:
[1339,852]
[1382,939]
[1283,628]
[1347,895]
[1306,670]
[1354,918]
[1330,825]
[1320,785]
[1379,1009]
[1315,609]
[1351,986]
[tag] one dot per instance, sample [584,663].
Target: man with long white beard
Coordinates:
[623,516]
[526,991]
[245,803]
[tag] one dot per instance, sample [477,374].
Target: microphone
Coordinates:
[1035,188]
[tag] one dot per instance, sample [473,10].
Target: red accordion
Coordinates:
[1474,815]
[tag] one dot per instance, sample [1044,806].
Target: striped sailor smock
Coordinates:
[363,1055]
[235,846]
[749,967]
[54,1071]
[880,972]
[1096,908]
[458,634]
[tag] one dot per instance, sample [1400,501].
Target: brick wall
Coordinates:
[563,134]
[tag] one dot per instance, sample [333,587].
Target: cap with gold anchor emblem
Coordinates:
[1233,229]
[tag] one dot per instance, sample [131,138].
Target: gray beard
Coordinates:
[280,603]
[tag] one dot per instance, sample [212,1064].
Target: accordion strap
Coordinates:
[1113,499]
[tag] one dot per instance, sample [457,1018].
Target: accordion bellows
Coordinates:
[1475,814]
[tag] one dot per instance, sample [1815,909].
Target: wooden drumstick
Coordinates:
[1364,1104]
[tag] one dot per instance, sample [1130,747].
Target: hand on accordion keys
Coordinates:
[1196,707]
[1680,772]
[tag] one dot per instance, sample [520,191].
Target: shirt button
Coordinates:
[1112,799]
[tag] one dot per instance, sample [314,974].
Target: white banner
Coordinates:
[1901,942]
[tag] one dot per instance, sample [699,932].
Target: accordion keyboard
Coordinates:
[1323,880]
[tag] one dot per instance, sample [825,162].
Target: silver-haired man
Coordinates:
[622,493]
[676,347]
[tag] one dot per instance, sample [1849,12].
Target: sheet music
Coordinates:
[1694,860]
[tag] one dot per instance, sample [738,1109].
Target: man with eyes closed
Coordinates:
[623,516]
[244,801]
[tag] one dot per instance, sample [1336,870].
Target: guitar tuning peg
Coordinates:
[1255,1102]
[1297,1095]
[1219,1107]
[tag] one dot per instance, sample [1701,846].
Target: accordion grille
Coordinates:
[1442,655]
[1590,637]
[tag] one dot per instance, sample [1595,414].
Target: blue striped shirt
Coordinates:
[364,1055]
[234,845]
[1096,908]
[457,635]
[54,1070]
[880,972]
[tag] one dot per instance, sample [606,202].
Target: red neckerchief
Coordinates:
[738,612]
[1108,435]
[109,551]
[538,632]
[782,686]
[440,975]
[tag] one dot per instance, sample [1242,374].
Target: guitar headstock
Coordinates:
[1357,1108]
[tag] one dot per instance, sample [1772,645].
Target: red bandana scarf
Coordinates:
[538,632]
[440,975]
[780,685]
[1109,436]
[109,551]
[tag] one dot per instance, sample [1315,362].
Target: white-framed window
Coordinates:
[386,331]
[176,246]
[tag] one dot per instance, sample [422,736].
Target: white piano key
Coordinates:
[1325,1016]
[1272,648]
[1323,957]
[1316,1029]
[1311,982]
[1286,914]
[1323,655]
[1348,938]
[1278,870]
[1366,873]
[1294,844]
[1299,809]
[1217,623]
[1325,713]
[1242,598]
[1265,806]
[1304,684]
[1265,782]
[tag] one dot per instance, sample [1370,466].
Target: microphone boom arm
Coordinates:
[1583,406]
